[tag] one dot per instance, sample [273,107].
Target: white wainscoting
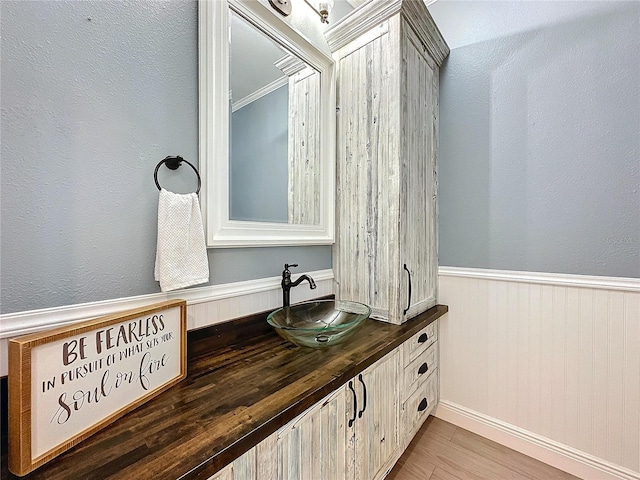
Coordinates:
[546,364]
[205,306]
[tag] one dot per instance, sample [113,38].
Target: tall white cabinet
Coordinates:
[388,55]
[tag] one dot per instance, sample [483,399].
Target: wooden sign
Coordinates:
[67,383]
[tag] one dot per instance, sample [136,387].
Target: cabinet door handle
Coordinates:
[423,338]
[355,404]
[424,368]
[423,405]
[364,389]
[409,300]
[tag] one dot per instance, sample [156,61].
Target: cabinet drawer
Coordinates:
[420,342]
[419,405]
[420,368]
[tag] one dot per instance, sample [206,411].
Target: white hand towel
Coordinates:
[181,254]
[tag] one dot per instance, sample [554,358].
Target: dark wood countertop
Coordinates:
[244,382]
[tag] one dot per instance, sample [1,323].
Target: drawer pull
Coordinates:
[424,368]
[355,404]
[423,338]
[364,389]
[423,405]
[409,299]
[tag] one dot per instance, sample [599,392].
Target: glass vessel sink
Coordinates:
[319,323]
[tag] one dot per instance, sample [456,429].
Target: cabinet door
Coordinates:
[419,256]
[376,442]
[367,172]
[313,445]
[258,463]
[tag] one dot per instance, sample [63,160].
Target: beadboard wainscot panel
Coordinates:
[547,364]
[205,306]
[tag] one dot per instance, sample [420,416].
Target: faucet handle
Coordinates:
[287,265]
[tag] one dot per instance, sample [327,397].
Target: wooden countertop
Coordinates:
[244,382]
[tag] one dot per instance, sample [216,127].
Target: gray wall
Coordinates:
[259,162]
[93,95]
[540,136]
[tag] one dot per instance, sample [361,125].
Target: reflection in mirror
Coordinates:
[274,154]
[306,186]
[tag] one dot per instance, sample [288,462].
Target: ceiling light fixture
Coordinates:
[321,7]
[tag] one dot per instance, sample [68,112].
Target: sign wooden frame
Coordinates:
[67,383]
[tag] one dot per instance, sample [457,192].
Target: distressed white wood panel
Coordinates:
[413,418]
[366,175]
[418,189]
[267,458]
[313,445]
[304,165]
[377,431]
[555,361]
[244,467]
[387,87]
[412,374]
[225,474]
[256,464]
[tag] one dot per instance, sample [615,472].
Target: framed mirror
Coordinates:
[267,129]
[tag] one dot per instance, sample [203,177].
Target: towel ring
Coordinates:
[173,163]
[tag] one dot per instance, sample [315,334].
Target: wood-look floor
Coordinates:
[442,451]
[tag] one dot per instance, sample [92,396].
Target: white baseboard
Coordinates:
[548,451]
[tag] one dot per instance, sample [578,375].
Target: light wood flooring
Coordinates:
[442,451]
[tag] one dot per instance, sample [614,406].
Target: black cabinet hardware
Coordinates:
[364,389]
[409,301]
[355,404]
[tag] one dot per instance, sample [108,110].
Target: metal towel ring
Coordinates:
[173,163]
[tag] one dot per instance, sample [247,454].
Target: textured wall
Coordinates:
[93,95]
[540,136]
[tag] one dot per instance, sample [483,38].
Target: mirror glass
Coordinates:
[274,156]
[266,126]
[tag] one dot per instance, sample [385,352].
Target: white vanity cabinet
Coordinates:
[354,433]
[359,431]
[387,55]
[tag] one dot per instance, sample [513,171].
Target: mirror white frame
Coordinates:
[213,46]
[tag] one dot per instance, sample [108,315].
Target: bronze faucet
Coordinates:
[287,284]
